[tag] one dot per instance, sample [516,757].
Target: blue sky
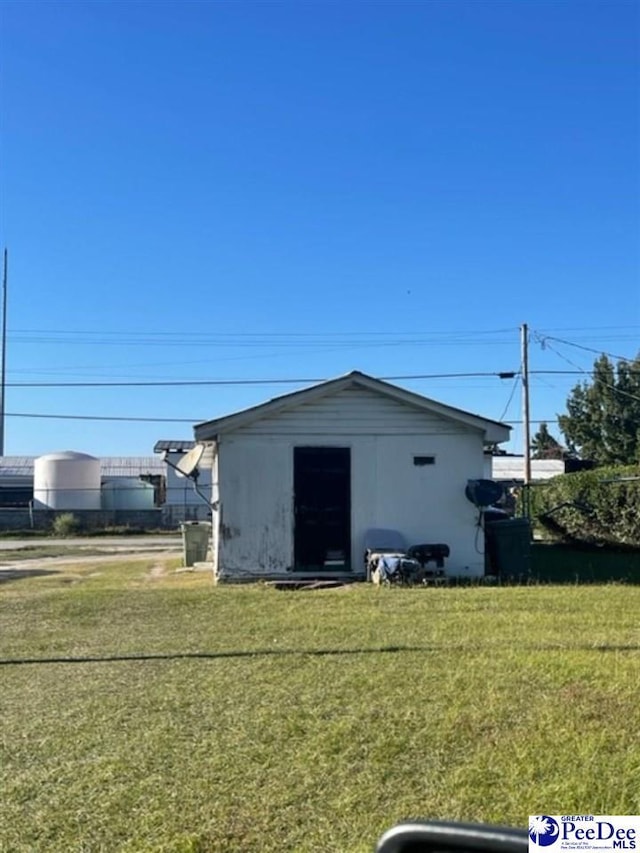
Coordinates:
[196,191]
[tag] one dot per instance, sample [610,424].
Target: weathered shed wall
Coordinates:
[426,503]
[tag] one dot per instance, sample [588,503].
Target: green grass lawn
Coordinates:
[169,715]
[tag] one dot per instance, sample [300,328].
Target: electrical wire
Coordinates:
[256,342]
[160,383]
[196,382]
[127,419]
[193,420]
[358,333]
[543,339]
[592,373]
[513,391]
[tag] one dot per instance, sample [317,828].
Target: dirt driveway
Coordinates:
[113,544]
[21,557]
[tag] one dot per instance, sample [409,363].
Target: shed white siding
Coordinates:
[356,411]
[255,522]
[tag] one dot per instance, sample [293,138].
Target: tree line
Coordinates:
[602,421]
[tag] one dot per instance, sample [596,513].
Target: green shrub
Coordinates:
[600,507]
[65,524]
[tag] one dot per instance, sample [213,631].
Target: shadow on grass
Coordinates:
[257,653]
[9,575]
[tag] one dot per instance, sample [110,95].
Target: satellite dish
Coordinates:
[188,463]
[483,492]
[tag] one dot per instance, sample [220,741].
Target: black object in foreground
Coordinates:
[434,836]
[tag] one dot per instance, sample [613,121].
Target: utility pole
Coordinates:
[3,374]
[524,340]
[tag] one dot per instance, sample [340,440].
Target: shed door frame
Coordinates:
[322,507]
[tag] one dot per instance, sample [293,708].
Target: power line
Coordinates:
[247,382]
[291,337]
[323,342]
[357,333]
[136,333]
[508,403]
[543,340]
[194,420]
[632,329]
[105,418]
[288,381]
[597,379]
[165,383]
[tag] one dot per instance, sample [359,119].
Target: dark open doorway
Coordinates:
[322,507]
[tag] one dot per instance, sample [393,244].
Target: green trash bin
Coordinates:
[196,536]
[508,548]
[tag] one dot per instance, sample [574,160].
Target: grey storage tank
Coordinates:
[127,493]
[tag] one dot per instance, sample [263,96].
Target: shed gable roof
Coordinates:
[495,431]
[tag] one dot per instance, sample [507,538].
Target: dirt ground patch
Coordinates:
[156,571]
[48,565]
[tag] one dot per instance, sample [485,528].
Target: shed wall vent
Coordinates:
[424,460]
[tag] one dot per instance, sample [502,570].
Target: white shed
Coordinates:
[303,477]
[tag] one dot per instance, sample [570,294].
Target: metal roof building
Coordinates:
[17,474]
[110,466]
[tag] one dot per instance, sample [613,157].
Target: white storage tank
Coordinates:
[66,480]
[127,493]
